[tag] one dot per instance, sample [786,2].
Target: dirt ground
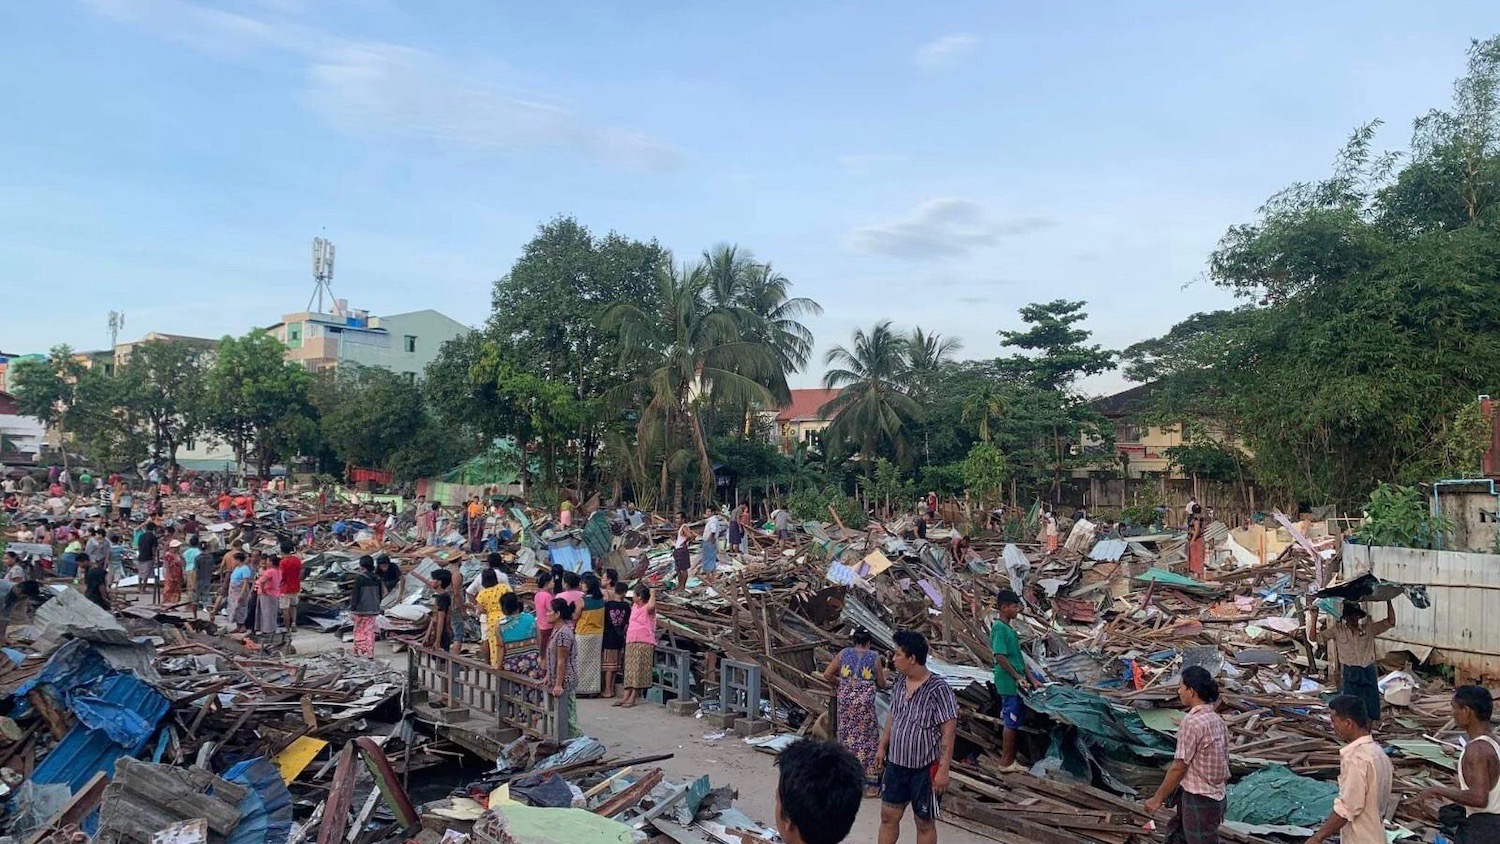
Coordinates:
[649,729]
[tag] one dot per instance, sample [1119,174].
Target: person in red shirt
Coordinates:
[291,583]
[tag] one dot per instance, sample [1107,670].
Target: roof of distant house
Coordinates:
[807,406]
[1125,402]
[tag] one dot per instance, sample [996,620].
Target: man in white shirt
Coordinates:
[712,530]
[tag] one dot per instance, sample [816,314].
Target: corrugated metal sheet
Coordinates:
[266,810]
[1465,592]
[571,557]
[1108,551]
[85,751]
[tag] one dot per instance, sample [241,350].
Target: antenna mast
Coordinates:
[116,322]
[322,266]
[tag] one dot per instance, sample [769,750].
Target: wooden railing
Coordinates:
[512,699]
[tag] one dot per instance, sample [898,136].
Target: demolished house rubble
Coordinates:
[1110,621]
[147,724]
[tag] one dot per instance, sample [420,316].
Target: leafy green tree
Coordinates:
[105,420]
[1400,516]
[872,408]
[1061,352]
[46,388]
[259,402]
[368,414]
[163,383]
[985,472]
[547,312]
[1370,319]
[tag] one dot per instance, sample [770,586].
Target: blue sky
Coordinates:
[938,164]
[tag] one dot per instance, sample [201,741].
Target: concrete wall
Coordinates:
[1465,591]
[1471,507]
[431,330]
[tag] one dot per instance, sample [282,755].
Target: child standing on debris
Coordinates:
[562,662]
[1010,676]
[440,625]
[859,675]
[640,646]
[364,606]
[616,620]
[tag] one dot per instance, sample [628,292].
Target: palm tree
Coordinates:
[780,328]
[982,405]
[689,353]
[872,408]
[927,353]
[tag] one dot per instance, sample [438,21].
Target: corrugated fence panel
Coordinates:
[1465,592]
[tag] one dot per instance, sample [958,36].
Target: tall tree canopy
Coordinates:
[1371,319]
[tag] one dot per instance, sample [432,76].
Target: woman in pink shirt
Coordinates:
[640,646]
[268,602]
[543,606]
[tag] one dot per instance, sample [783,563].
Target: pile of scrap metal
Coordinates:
[1109,623]
[124,728]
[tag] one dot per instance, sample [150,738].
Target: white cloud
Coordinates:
[945,51]
[949,227]
[375,87]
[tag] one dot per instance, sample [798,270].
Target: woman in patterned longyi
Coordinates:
[860,675]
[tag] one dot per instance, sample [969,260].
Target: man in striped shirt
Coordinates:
[916,747]
[1200,767]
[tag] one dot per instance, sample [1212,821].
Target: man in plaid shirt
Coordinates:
[1201,767]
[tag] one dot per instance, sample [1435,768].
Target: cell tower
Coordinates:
[116,322]
[322,264]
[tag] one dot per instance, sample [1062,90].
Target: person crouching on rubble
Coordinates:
[17,603]
[1200,768]
[94,580]
[1474,815]
[1353,638]
[817,794]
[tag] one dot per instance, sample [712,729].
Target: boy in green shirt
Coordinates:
[1010,676]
